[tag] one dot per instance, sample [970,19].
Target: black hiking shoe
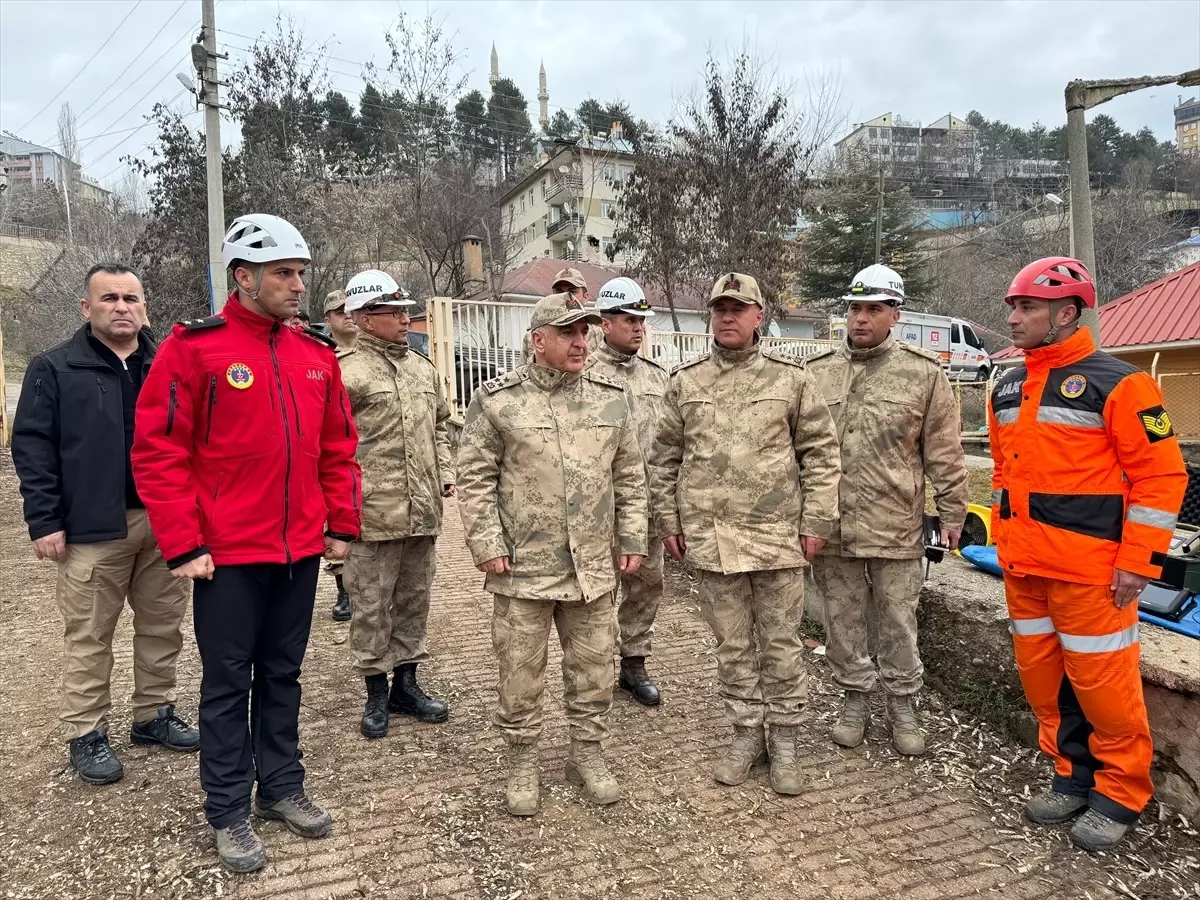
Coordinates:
[375,713]
[168,730]
[408,699]
[94,759]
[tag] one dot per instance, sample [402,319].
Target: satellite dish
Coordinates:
[571,246]
[568,208]
[773,330]
[1055,199]
[563,170]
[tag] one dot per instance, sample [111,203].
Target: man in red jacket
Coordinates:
[244,456]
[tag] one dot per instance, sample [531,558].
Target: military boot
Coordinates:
[94,759]
[907,737]
[523,795]
[1095,832]
[851,727]
[748,748]
[408,699]
[298,813]
[785,767]
[375,713]
[239,848]
[341,607]
[1054,808]
[586,767]
[636,682]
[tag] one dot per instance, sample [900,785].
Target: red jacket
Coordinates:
[1088,472]
[244,443]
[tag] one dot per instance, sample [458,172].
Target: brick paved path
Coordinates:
[420,813]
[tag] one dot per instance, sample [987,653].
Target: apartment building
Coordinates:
[1187,126]
[566,206]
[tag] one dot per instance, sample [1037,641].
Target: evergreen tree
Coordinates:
[840,240]
[509,131]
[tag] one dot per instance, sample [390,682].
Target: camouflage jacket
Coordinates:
[550,476]
[403,446]
[897,422]
[646,383]
[745,462]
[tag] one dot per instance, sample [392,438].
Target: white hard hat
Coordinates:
[374,288]
[260,238]
[623,295]
[877,283]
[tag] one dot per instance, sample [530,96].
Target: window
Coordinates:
[874,133]
[605,246]
[971,339]
[608,209]
[522,203]
[543,188]
[531,196]
[610,172]
[955,337]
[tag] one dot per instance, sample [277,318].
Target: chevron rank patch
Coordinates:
[1157,424]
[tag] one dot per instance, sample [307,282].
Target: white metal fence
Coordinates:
[472,341]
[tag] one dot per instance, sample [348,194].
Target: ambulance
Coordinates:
[954,340]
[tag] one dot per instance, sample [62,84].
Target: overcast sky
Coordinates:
[920,60]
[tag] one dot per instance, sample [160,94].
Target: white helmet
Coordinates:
[260,238]
[374,288]
[878,283]
[623,295]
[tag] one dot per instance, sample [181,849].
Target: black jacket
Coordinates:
[68,442]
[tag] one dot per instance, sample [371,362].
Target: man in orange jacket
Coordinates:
[1088,482]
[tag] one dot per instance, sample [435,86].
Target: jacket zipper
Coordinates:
[100,384]
[295,409]
[212,401]
[345,415]
[272,342]
[37,387]
[354,489]
[171,404]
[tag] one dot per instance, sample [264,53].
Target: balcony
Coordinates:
[571,221]
[574,183]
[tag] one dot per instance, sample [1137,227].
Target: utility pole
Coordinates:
[205,56]
[1080,97]
[879,218]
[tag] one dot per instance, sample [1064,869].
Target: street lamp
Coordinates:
[1082,96]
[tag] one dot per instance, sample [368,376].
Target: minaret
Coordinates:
[543,100]
[495,73]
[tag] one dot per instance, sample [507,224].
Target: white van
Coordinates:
[961,350]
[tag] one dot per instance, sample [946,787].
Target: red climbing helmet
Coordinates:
[1054,278]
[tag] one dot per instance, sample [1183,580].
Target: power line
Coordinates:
[182,91]
[146,72]
[136,57]
[81,70]
[134,106]
[145,146]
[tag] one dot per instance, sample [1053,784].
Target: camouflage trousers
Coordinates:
[388,583]
[885,591]
[520,636]
[755,617]
[641,593]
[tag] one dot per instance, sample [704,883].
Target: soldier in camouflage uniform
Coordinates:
[344,333]
[404,450]
[623,305]
[744,481]
[552,493]
[897,422]
[567,281]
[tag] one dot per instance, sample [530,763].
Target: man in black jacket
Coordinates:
[71,440]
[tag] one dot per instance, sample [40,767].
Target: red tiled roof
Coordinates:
[1162,312]
[535,279]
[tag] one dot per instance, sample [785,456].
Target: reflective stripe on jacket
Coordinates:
[1088,471]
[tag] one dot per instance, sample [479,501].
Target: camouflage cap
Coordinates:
[738,287]
[573,277]
[561,310]
[334,301]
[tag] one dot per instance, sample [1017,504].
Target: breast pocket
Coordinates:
[239,399]
[697,414]
[597,442]
[768,418]
[898,422]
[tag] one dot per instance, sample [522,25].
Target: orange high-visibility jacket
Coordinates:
[1088,470]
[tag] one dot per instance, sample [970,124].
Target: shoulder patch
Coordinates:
[320,338]
[593,375]
[203,324]
[507,380]
[691,362]
[920,351]
[651,362]
[781,357]
[824,354]
[415,352]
